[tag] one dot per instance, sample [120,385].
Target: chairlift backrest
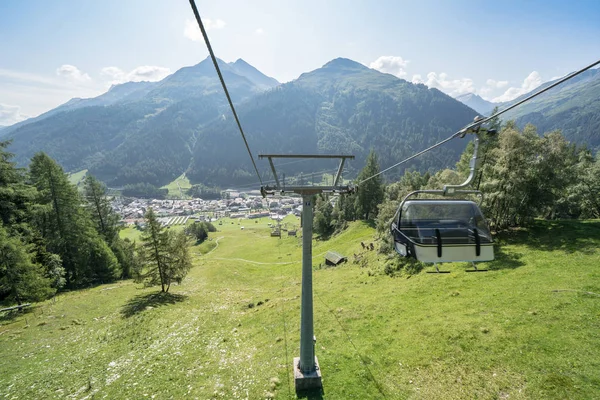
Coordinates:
[442,230]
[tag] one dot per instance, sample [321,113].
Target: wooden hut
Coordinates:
[333,258]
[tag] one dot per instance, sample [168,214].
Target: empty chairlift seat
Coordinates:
[435,231]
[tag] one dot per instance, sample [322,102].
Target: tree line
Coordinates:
[52,237]
[522,175]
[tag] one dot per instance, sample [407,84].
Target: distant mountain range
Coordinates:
[573,107]
[477,103]
[153,131]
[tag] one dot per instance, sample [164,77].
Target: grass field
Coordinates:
[77,177]
[527,329]
[178,187]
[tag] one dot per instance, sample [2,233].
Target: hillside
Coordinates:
[525,330]
[137,131]
[154,131]
[573,107]
[343,107]
[477,103]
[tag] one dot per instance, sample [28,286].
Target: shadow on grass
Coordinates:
[140,302]
[8,316]
[314,394]
[505,260]
[568,236]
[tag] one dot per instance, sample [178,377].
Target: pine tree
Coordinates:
[16,196]
[98,204]
[322,220]
[67,228]
[179,261]
[165,255]
[20,278]
[370,193]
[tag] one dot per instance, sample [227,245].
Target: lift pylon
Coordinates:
[307,374]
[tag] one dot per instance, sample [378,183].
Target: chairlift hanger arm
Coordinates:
[306,190]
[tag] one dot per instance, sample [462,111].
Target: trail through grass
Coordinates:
[231,329]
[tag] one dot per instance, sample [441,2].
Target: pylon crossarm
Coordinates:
[306,190]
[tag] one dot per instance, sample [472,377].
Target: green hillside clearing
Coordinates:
[178,187]
[528,329]
[77,177]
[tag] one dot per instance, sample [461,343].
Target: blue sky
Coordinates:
[51,51]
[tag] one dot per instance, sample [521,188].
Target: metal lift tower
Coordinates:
[307,374]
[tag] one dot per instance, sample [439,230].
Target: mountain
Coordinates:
[152,132]
[121,132]
[477,103]
[122,93]
[242,68]
[341,108]
[572,107]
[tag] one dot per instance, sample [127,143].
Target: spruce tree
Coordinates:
[165,256]
[67,228]
[105,219]
[20,278]
[370,193]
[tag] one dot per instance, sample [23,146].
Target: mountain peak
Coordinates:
[240,61]
[476,102]
[344,63]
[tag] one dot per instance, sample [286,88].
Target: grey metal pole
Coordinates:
[307,351]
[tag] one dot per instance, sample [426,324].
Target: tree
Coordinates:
[16,196]
[105,219]
[67,228]
[20,278]
[370,193]
[179,261]
[322,219]
[164,255]
[587,186]
[198,231]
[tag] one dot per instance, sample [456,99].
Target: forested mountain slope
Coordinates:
[154,131]
[573,107]
[137,131]
[343,107]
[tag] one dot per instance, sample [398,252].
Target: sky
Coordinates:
[52,51]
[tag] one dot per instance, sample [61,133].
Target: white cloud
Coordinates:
[496,84]
[259,31]
[452,87]
[192,31]
[143,73]
[72,73]
[532,81]
[10,114]
[391,65]
[417,78]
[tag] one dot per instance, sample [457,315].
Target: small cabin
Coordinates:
[333,258]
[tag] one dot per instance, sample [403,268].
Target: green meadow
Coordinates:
[77,177]
[526,329]
[178,187]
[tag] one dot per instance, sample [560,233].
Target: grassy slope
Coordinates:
[77,177]
[174,189]
[500,334]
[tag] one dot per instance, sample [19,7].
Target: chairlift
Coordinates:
[444,230]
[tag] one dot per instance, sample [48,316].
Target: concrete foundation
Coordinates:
[307,380]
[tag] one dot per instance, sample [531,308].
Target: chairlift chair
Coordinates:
[444,230]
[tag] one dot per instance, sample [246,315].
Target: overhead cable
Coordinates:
[214,60]
[484,120]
